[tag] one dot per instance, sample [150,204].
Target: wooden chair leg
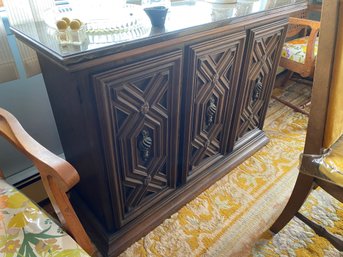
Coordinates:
[287,77]
[289,74]
[333,190]
[294,107]
[306,104]
[301,190]
[321,231]
[303,81]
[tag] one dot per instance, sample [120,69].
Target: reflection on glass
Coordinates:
[132,26]
[153,3]
[223,11]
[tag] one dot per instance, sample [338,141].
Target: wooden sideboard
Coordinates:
[151,123]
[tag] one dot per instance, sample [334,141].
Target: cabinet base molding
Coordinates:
[112,244]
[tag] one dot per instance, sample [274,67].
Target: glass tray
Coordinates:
[127,23]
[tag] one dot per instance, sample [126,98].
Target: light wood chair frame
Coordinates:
[305,69]
[316,126]
[57,175]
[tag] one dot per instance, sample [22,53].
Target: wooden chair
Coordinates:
[299,54]
[322,160]
[58,177]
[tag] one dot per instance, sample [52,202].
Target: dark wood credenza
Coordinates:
[152,122]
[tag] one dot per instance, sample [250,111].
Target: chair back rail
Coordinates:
[334,120]
[322,78]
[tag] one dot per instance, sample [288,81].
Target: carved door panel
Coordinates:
[264,51]
[138,108]
[210,92]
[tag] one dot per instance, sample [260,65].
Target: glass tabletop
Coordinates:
[102,34]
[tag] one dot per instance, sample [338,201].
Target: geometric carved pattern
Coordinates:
[144,135]
[260,78]
[141,114]
[215,68]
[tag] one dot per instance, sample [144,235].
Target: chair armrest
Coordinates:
[315,26]
[304,22]
[46,162]
[58,176]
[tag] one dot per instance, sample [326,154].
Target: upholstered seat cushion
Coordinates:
[25,230]
[331,165]
[295,50]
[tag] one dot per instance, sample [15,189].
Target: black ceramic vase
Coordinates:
[157,15]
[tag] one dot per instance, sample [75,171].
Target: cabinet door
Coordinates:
[210,92]
[258,77]
[138,108]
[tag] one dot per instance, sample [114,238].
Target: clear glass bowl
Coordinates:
[129,22]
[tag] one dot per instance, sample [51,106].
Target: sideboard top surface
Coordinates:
[184,18]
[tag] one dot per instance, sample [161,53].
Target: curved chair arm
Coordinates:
[308,66]
[58,176]
[314,25]
[48,163]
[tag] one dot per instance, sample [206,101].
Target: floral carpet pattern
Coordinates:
[297,239]
[231,215]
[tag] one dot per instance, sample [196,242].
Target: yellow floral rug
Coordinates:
[233,214]
[297,239]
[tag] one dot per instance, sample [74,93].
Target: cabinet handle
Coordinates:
[211,112]
[257,90]
[144,145]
